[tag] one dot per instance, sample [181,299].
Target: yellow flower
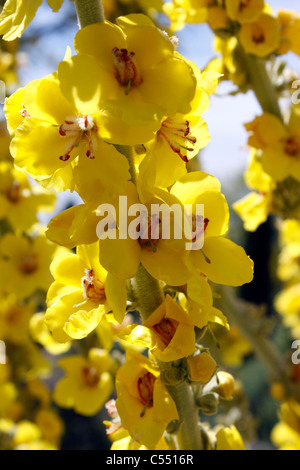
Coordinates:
[287,303]
[41,335]
[286,433]
[88,383]
[220,260]
[14,320]
[290,31]
[24,264]
[141,77]
[255,207]
[234,347]
[280,144]
[229,62]
[18,14]
[244,11]
[172,332]
[288,262]
[56,135]
[261,37]
[163,258]
[50,424]
[143,403]
[178,140]
[222,383]
[201,367]
[121,440]
[181,12]
[8,390]
[229,439]
[19,201]
[82,293]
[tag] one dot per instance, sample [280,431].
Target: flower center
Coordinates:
[93,288]
[78,129]
[292,147]
[145,386]
[243,5]
[150,232]
[29,264]
[176,132]
[90,376]
[258,36]
[127,71]
[24,112]
[166,329]
[14,193]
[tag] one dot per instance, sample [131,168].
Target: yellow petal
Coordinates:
[229,264]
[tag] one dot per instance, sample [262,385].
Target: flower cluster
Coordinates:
[123,117]
[128,322]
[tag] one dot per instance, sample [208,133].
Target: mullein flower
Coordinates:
[182,12]
[260,37]
[279,144]
[163,258]
[24,264]
[14,320]
[82,293]
[88,382]
[229,438]
[20,202]
[289,31]
[244,11]
[179,139]
[144,405]
[220,260]
[54,129]
[121,439]
[142,79]
[172,332]
[18,14]
[255,207]
[286,434]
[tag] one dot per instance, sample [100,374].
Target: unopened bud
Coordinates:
[173,376]
[208,403]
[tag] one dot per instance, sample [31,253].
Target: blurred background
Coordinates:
[41,48]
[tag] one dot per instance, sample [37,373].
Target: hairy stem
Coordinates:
[189,436]
[89,12]
[261,83]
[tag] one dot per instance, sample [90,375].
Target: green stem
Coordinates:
[89,12]
[149,293]
[261,83]
[150,296]
[189,436]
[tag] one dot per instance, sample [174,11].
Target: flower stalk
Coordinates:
[147,289]
[89,12]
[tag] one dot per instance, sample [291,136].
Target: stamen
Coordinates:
[93,288]
[14,193]
[145,386]
[127,72]
[90,376]
[292,147]
[166,329]
[78,128]
[176,132]
[206,257]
